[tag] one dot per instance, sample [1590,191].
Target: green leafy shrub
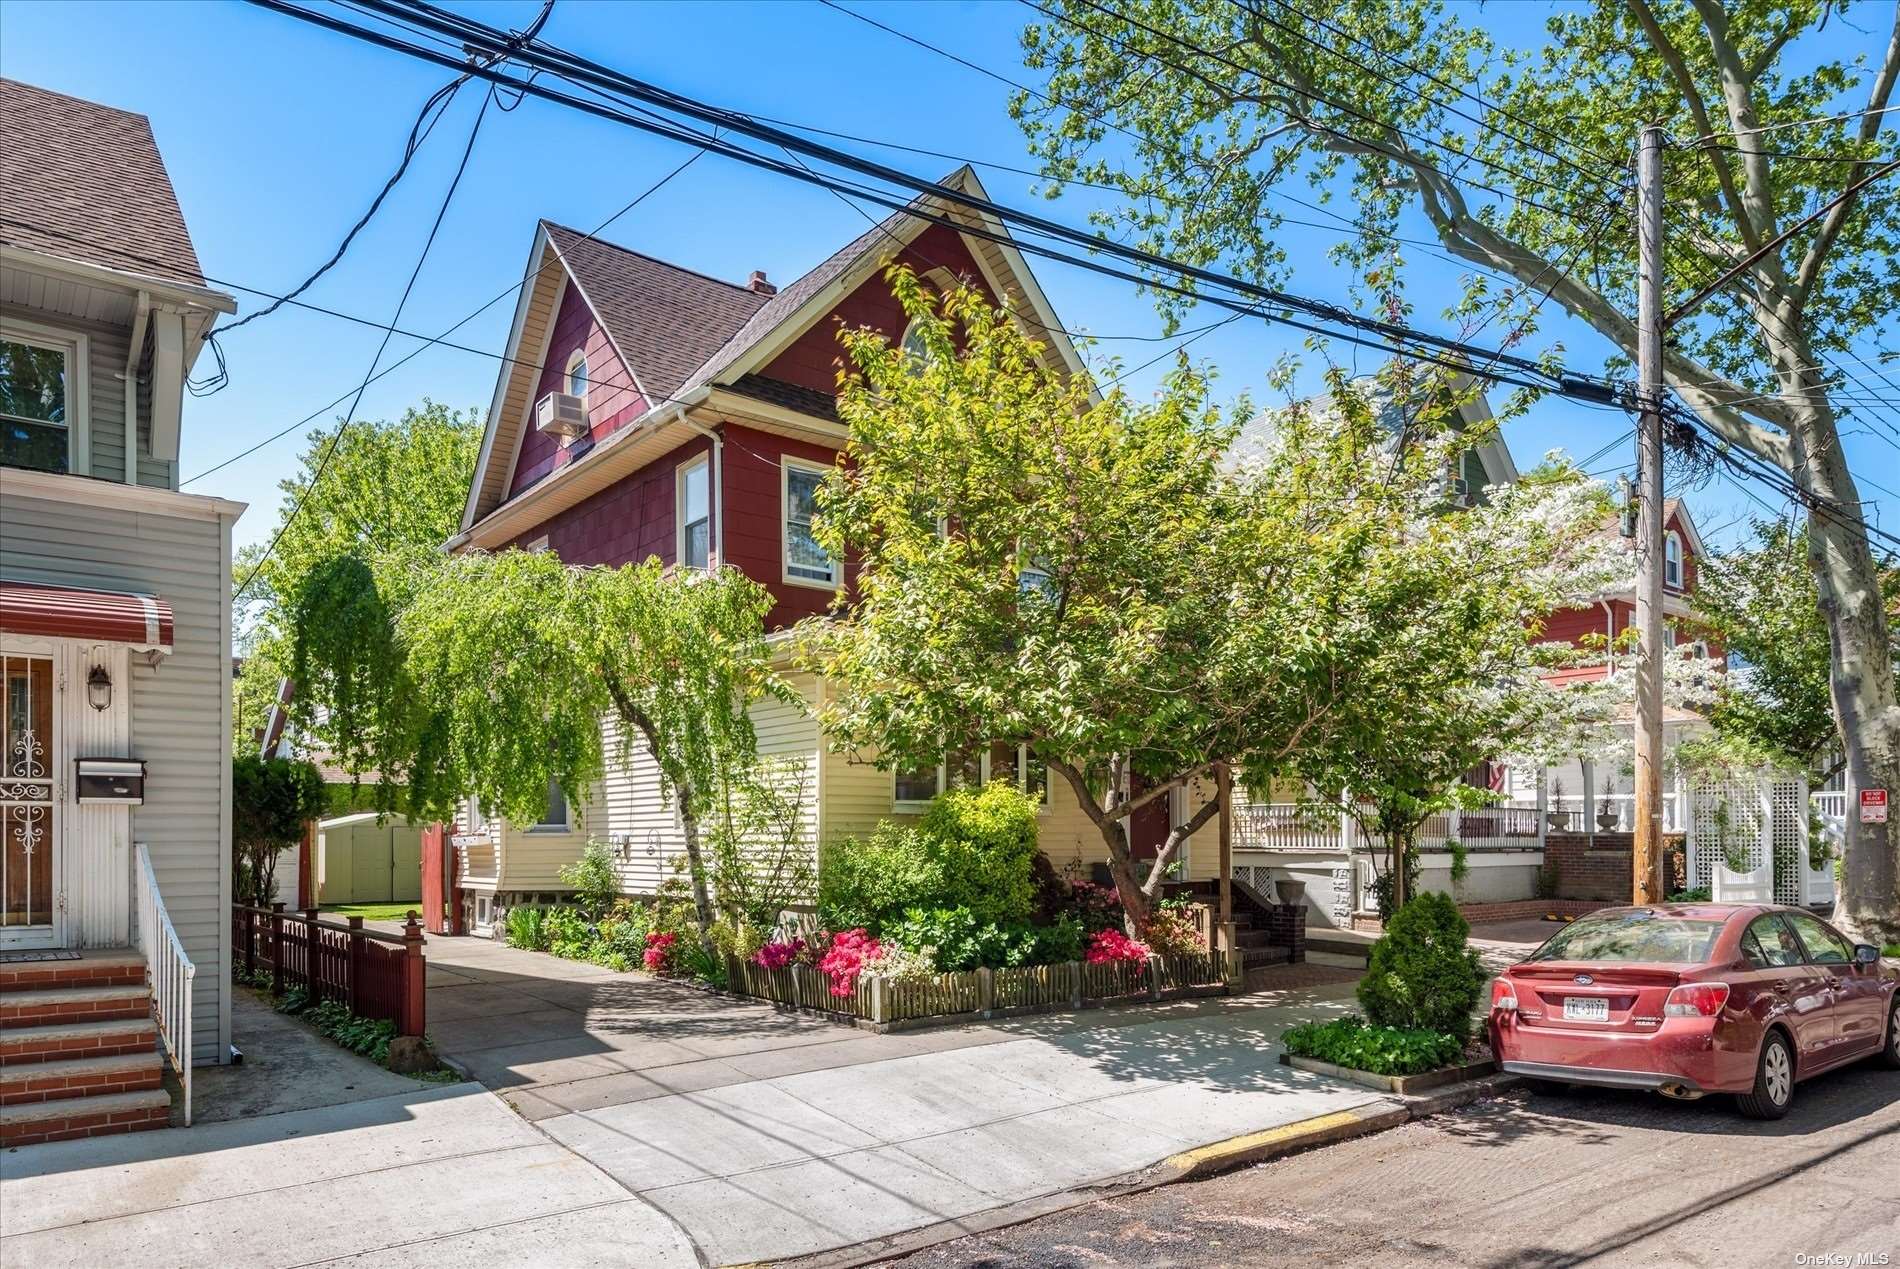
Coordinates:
[592,876]
[955,940]
[974,850]
[1420,974]
[986,839]
[1696,894]
[526,927]
[271,801]
[623,931]
[1382,1050]
[869,883]
[568,932]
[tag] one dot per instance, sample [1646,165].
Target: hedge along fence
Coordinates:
[882,1004]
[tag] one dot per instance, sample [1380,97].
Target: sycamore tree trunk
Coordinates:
[1861,682]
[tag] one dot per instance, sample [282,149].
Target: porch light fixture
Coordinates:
[99,688]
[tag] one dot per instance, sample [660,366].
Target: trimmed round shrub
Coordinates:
[986,839]
[1421,975]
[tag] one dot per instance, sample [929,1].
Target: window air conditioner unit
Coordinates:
[560,414]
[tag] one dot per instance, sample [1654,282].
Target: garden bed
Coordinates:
[1404,1085]
[882,1004]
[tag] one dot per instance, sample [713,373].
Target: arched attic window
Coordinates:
[1672,559]
[575,379]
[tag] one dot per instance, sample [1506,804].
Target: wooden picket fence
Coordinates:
[881,1003]
[377,975]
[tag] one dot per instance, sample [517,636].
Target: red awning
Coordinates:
[96,616]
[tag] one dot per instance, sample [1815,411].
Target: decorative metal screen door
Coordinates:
[26,801]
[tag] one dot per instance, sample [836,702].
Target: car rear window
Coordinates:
[1632,936]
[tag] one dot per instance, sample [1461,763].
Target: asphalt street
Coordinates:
[1544,1181]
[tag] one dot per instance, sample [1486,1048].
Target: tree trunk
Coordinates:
[1861,682]
[696,867]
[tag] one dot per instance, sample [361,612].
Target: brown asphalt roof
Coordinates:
[664,319]
[85,182]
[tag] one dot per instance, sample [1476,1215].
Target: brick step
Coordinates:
[1244,937]
[1255,957]
[78,1039]
[95,969]
[34,1122]
[72,1004]
[79,1077]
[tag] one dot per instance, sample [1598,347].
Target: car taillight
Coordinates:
[1503,996]
[1696,1000]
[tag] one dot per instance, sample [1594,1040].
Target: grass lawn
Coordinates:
[1892,949]
[370,911]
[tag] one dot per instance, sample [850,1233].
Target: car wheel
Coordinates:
[1774,1081]
[1890,1056]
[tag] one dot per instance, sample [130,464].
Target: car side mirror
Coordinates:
[1866,954]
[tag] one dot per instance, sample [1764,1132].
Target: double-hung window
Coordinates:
[554,818]
[695,514]
[1672,560]
[806,562]
[35,403]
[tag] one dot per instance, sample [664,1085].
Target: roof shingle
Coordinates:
[664,319]
[85,182]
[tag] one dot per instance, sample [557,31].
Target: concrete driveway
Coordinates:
[768,1135]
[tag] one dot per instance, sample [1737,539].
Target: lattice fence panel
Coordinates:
[1728,840]
[1788,827]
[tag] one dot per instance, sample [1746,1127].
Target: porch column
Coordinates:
[1589,798]
[1543,804]
[1224,790]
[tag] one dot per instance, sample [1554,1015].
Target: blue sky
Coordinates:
[277,135]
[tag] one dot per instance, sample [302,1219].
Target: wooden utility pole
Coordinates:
[1646,858]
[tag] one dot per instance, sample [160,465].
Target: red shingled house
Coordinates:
[649,410]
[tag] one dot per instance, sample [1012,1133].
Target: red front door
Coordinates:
[1149,826]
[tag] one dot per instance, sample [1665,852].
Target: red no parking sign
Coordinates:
[1873,806]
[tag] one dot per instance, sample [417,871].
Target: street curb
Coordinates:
[1198,1164]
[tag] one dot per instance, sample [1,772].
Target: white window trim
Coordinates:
[566,823]
[703,459]
[577,357]
[913,806]
[788,464]
[77,349]
[1672,539]
[539,544]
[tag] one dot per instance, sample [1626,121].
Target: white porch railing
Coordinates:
[170,971]
[1582,818]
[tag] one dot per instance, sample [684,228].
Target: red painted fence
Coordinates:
[376,975]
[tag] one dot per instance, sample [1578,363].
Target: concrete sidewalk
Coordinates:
[442,1176]
[767,1134]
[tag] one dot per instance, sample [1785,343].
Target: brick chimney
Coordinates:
[758,283]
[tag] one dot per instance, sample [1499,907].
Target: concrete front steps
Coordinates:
[79,1052]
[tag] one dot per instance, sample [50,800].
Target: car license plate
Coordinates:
[1586,1009]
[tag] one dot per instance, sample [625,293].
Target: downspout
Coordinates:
[134,355]
[717,479]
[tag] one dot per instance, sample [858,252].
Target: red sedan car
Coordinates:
[1697,998]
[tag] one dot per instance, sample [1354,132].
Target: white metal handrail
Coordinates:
[170,971]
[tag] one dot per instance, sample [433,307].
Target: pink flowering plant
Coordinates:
[1112,947]
[659,953]
[779,955]
[852,952]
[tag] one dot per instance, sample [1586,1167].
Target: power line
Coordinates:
[1796,123]
[336,442]
[1390,337]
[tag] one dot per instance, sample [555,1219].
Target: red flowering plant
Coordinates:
[659,951]
[1096,907]
[1112,947]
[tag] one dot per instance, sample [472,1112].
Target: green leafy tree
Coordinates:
[272,800]
[1080,596]
[382,498]
[1420,974]
[1513,160]
[514,660]
[1761,603]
